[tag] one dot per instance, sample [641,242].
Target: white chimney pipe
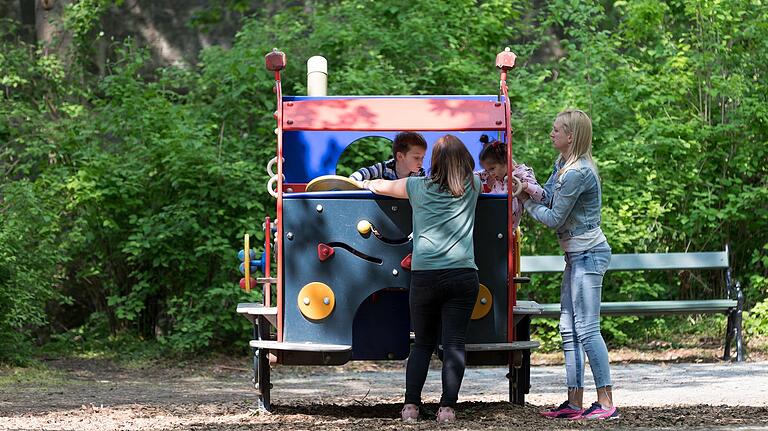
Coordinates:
[317,76]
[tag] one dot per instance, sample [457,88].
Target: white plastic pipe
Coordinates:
[317,76]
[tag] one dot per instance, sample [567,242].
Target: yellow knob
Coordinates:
[364,227]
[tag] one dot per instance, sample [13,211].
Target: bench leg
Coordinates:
[737,323]
[733,332]
[729,335]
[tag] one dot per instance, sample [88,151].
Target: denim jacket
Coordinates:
[572,201]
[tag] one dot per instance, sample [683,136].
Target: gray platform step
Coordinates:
[300,347]
[252,310]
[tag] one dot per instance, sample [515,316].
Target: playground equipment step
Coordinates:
[300,347]
[252,311]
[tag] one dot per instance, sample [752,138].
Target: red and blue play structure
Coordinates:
[342,258]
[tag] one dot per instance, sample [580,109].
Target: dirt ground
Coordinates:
[78,394]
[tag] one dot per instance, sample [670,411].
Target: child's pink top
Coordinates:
[524,174]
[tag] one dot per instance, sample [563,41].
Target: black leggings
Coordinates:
[441,298]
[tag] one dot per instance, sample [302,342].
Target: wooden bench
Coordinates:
[732,305]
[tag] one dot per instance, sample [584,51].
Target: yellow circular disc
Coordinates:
[316,300]
[483,303]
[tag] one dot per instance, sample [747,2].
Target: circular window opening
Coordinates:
[362,153]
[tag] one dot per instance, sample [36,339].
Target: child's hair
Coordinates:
[452,165]
[493,151]
[405,140]
[575,122]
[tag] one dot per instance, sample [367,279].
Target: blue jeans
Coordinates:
[580,315]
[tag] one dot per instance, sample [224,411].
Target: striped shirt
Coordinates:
[382,170]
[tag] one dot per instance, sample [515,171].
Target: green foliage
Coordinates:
[93,339]
[756,320]
[81,18]
[160,204]
[547,332]
[125,197]
[30,264]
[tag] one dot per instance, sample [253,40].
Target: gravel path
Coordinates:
[98,395]
[652,385]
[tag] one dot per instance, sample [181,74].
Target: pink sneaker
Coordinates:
[446,414]
[598,412]
[410,412]
[564,411]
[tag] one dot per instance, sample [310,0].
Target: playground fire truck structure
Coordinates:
[343,257]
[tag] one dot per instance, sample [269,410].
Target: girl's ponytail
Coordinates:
[493,151]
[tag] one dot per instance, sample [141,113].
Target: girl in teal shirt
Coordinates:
[444,282]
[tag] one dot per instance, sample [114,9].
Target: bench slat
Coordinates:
[493,347]
[635,262]
[652,307]
[526,307]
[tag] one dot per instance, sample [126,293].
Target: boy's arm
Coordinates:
[395,188]
[369,173]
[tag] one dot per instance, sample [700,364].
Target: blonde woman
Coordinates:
[444,282]
[573,210]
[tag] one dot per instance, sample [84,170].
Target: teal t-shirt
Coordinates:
[442,225]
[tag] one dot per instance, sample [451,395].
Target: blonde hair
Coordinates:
[452,165]
[576,123]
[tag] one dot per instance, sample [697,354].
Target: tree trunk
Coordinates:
[49,30]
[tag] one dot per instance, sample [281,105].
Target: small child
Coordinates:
[408,150]
[493,160]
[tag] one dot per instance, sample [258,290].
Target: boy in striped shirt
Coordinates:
[408,149]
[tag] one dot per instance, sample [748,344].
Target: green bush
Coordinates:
[30,265]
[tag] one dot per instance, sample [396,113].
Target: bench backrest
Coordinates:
[635,262]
